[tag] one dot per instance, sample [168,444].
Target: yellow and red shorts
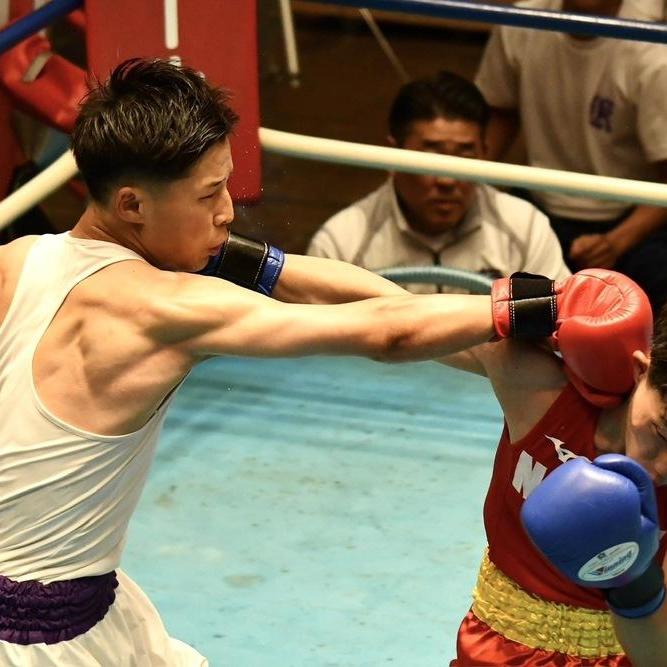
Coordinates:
[508,626]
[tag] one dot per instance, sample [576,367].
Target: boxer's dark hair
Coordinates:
[150,122]
[445,95]
[657,370]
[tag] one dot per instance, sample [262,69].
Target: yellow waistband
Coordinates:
[512,612]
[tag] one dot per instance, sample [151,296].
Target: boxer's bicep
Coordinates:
[525,378]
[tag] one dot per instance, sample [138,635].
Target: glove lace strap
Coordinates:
[532,306]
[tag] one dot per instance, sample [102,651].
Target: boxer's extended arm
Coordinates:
[203,317]
[313,280]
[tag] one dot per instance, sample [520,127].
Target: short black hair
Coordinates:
[657,370]
[150,121]
[445,95]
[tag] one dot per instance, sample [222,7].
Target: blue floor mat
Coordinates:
[317,511]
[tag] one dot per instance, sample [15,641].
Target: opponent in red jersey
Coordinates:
[592,593]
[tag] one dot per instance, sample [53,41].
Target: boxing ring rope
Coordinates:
[289,37]
[540,19]
[34,22]
[37,189]
[475,283]
[385,158]
[379,157]
[501,173]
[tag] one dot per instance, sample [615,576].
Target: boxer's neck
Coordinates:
[610,431]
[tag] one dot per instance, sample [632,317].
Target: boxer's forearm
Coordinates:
[421,327]
[315,280]
[644,639]
[642,222]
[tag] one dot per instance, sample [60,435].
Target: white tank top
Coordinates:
[66,495]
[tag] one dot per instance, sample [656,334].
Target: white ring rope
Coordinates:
[380,157]
[289,37]
[399,159]
[38,188]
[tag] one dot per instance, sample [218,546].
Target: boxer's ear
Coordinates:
[640,364]
[128,204]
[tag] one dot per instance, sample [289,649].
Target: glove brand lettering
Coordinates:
[610,563]
[527,476]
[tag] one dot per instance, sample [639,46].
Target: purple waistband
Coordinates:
[32,612]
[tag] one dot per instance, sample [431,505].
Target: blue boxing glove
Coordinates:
[597,523]
[252,264]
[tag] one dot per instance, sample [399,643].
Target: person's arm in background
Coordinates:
[498,80]
[648,73]
[604,250]
[501,131]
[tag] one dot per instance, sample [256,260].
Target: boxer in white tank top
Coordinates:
[99,326]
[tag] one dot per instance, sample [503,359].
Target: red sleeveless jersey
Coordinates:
[566,430]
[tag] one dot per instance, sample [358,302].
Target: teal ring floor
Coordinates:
[320,512]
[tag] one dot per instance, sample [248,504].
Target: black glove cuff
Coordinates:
[255,265]
[640,597]
[532,306]
[242,260]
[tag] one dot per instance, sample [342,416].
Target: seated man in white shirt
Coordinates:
[421,220]
[592,105]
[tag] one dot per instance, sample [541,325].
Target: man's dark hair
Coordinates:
[151,122]
[446,95]
[657,370]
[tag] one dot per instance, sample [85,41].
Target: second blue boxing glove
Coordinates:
[597,523]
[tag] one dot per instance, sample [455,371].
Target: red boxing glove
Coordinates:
[596,319]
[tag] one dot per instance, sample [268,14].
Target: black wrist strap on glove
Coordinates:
[252,264]
[640,597]
[532,305]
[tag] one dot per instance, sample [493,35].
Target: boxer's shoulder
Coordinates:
[13,254]
[12,258]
